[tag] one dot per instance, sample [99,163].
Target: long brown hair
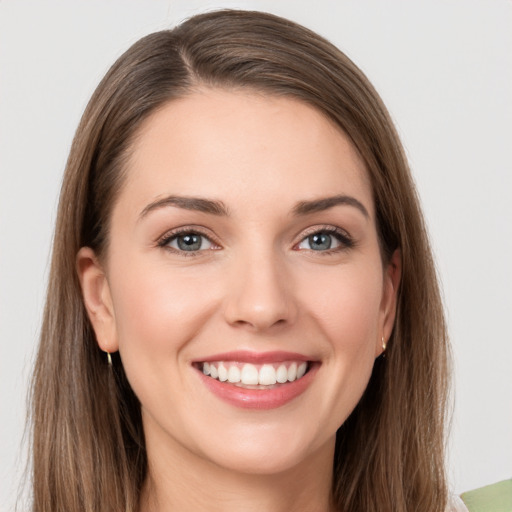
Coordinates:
[88,445]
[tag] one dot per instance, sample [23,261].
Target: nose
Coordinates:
[260,294]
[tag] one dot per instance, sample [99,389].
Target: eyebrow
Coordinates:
[215,207]
[188,203]
[319,205]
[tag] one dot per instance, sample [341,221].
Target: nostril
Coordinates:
[260,323]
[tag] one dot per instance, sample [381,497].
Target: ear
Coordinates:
[391,285]
[97,299]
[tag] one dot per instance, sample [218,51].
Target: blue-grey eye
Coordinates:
[320,241]
[190,242]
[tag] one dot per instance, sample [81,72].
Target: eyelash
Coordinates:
[165,240]
[345,240]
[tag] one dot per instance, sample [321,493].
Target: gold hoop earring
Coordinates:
[109,359]
[383,344]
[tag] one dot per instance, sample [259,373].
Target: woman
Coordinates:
[242,312]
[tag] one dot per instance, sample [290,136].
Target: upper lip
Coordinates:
[247,356]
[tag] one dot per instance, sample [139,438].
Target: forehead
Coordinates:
[245,147]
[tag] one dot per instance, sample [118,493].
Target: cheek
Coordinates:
[157,311]
[345,309]
[346,305]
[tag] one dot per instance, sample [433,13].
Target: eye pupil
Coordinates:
[320,241]
[189,242]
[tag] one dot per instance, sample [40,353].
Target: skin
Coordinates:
[258,286]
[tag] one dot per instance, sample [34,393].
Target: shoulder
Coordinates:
[456,505]
[491,498]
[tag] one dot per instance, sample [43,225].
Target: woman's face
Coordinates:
[243,246]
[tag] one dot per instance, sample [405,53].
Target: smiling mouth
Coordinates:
[255,376]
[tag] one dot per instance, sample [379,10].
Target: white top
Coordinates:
[457,505]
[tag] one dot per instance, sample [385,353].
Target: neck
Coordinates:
[178,480]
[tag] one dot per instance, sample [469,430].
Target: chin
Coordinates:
[264,464]
[267,450]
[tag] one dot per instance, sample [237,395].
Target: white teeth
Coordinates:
[301,370]
[223,373]
[234,374]
[267,375]
[282,374]
[292,372]
[249,374]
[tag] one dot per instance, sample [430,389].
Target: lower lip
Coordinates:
[262,399]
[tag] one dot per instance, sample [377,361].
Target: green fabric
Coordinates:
[492,498]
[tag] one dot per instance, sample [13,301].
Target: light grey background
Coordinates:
[444,70]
